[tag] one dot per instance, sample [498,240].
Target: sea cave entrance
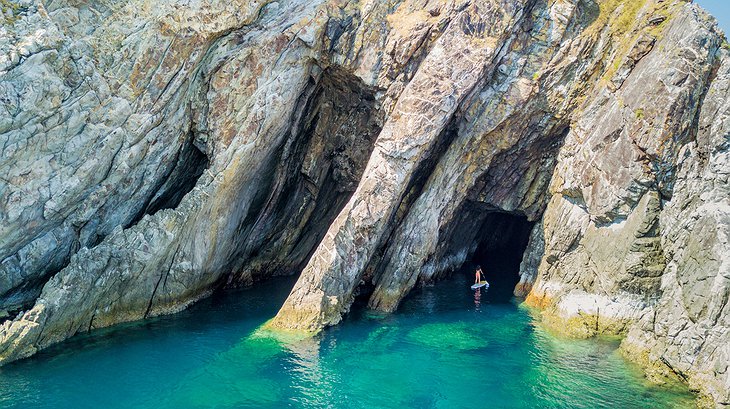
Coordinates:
[501,244]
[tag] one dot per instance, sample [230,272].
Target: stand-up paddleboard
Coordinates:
[480,285]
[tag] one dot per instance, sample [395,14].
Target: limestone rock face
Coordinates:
[155,151]
[620,256]
[692,311]
[423,110]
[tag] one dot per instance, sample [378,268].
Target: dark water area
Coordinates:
[447,347]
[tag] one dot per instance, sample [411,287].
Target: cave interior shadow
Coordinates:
[502,241]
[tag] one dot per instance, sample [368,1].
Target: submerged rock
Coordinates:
[458,337]
[152,153]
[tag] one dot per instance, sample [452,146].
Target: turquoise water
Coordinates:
[443,349]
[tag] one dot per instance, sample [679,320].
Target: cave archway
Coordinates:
[502,241]
[310,179]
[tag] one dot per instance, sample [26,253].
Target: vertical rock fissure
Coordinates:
[377,265]
[190,163]
[424,109]
[313,178]
[694,129]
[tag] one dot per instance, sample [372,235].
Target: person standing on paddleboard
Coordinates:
[478,275]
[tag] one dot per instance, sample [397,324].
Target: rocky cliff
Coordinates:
[155,151]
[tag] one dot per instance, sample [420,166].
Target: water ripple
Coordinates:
[439,351]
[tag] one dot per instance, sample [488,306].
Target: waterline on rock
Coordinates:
[438,351]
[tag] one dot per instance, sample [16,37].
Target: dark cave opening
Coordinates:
[190,165]
[502,241]
[309,178]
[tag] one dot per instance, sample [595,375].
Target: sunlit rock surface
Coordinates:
[155,151]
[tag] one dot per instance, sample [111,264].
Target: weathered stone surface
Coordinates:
[155,151]
[614,229]
[96,109]
[425,107]
[173,257]
[689,327]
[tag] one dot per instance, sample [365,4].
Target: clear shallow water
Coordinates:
[441,350]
